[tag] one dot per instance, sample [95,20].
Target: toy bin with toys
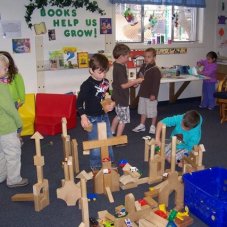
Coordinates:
[206,195]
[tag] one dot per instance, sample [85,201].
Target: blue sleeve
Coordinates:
[172,121]
[194,139]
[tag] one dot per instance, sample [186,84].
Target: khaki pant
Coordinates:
[10,158]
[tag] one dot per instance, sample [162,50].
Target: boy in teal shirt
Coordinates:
[187,129]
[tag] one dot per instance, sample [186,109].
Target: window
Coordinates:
[157,24]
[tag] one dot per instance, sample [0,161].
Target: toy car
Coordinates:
[128,222]
[122,163]
[108,224]
[133,169]
[91,196]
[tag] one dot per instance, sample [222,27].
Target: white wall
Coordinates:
[69,80]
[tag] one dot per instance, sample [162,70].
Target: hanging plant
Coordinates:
[41,4]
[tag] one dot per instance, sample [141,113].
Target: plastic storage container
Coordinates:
[206,195]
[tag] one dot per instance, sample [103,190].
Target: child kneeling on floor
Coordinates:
[187,129]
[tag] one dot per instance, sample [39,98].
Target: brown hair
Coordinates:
[151,50]
[120,49]
[12,69]
[99,61]
[191,119]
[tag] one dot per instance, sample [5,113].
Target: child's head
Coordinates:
[12,67]
[211,57]
[4,64]
[190,119]
[98,65]
[149,56]
[121,53]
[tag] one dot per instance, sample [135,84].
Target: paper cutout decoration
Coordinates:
[221,32]
[40,28]
[221,19]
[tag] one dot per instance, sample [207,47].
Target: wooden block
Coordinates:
[74,147]
[186,222]
[22,197]
[38,160]
[128,186]
[41,195]
[87,145]
[85,211]
[70,193]
[109,216]
[137,205]
[153,193]
[109,195]
[145,223]
[151,202]
[157,220]
[84,175]
[105,103]
[142,180]
[126,179]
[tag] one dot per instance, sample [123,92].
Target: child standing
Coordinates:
[16,85]
[148,92]
[209,70]
[10,150]
[187,129]
[92,92]
[121,87]
[16,82]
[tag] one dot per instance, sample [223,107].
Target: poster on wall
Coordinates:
[21,46]
[51,34]
[105,26]
[11,29]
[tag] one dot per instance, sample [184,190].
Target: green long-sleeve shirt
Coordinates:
[9,118]
[17,89]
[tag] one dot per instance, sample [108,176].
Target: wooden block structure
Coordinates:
[40,194]
[69,192]
[145,216]
[105,181]
[83,200]
[156,161]
[194,161]
[70,147]
[173,183]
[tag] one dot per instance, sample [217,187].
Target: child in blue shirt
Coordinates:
[187,129]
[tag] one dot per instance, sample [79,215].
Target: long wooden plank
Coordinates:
[22,197]
[87,145]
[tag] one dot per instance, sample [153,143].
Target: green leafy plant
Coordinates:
[41,4]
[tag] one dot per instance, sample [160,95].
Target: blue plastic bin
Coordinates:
[205,194]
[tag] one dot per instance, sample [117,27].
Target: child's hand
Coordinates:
[158,142]
[199,64]
[84,121]
[140,80]
[152,98]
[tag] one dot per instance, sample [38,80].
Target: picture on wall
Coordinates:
[21,46]
[51,34]
[105,26]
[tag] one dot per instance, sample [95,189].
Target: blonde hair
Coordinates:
[4,60]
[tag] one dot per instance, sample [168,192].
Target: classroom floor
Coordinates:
[57,214]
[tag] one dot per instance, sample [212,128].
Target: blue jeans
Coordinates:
[95,157]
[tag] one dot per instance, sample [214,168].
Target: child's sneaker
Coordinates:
[139,128]
[22,183]
[152,129]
